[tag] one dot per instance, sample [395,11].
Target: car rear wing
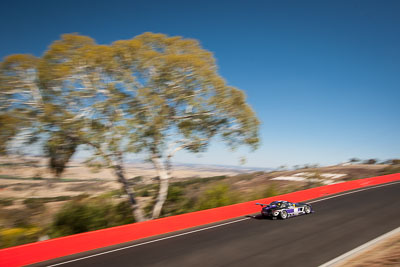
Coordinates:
[261,204]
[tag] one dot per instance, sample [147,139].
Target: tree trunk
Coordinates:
[136,210]
[163,192]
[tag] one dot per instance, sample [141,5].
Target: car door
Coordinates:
[300,209]
[296,209]
[291,209]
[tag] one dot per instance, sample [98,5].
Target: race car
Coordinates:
[284,209]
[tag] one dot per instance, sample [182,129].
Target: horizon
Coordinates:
[321,76]
[138,161]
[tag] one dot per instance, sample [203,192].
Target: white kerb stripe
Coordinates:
[342,257]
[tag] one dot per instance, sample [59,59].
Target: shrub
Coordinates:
[370,161]
[176,202]
[82,216]
[81,197]
[392,162]
[148,209]
[34,203]
[395,161]
[38,203]
[18,236]
[270,191]
[109,194]
[391,169]
[143,193]
[6,202]
[204,180]
[217,196]
[175,193]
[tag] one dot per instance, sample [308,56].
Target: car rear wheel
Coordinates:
[307,209]
[283,214]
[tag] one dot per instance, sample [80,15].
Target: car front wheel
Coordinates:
[307,209]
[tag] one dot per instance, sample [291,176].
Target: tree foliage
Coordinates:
[152,94]
[59,148]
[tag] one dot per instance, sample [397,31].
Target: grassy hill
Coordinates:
[33,208]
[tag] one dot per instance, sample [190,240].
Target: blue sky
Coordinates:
[322,76]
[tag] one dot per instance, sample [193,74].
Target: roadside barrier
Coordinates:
[63,246]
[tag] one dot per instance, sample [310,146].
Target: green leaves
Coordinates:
[9,128]
[59,148]
[148,92]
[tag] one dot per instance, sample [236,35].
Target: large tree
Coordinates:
[182,102]
[152,94]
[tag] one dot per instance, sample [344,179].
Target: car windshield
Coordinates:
[275,203]
[280,204]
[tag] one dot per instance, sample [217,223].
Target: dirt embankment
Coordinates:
[384,253]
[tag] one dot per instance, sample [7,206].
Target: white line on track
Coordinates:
[148,242]
[352,252]
[355,191]
[206,228]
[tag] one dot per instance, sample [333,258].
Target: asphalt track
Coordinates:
[338,225]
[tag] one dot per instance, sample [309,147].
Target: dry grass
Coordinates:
[37,167]
[31,178]
[384,253]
